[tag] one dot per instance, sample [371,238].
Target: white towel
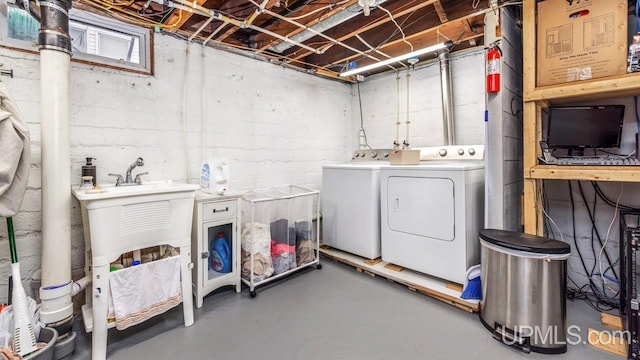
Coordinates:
[15,155]
[146,290]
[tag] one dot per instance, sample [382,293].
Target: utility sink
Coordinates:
[148,188]
[119,219]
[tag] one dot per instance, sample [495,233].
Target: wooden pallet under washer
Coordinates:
[434,287]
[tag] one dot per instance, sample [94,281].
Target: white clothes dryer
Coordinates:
[431,215]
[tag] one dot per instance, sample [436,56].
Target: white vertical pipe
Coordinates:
[56,183]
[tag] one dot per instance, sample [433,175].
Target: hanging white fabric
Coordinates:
[15,155]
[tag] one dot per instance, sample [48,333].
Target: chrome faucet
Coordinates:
[127,181]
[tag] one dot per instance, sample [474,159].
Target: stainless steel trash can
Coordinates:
[524,290]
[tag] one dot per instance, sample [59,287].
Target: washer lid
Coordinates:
[524,242]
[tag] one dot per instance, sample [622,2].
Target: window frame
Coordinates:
[89,19]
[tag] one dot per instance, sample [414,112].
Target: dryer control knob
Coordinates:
[471,151]
[357,155]
[374,154]
[385,154]
[442,152]
[460,152]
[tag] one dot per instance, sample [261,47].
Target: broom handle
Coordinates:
[12,241]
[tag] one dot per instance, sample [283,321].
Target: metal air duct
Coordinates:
[447,99]
[326,24]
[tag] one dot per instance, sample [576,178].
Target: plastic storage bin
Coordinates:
[524,286]
[47,335]
[278,233]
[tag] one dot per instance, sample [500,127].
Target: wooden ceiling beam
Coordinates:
[440,11]
[420,21]
[382,21]
[267,4]
[179,17]
[454,29]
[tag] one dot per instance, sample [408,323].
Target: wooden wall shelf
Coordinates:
[613,86]
[595,173]
[538,98]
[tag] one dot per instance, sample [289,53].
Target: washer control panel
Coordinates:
[452,152]
[370,155]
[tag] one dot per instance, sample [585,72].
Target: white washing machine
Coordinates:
[431,215]
[351,203]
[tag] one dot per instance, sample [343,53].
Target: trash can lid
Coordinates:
[524,242]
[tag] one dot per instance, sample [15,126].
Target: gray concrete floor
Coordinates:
[333,313]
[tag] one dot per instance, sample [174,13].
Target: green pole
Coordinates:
[12,241]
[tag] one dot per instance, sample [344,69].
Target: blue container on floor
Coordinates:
[221,255]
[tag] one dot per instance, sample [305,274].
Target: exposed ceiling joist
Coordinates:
[442,14]
[307,21]
[373,25]
[179,17]
[454,29]
[266,4]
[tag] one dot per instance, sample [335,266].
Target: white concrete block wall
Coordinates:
[380,98]
[274,126]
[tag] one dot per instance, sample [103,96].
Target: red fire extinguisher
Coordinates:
[493,69]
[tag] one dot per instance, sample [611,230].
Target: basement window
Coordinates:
[94,38]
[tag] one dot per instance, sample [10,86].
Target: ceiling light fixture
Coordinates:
[400,58]
[367,5]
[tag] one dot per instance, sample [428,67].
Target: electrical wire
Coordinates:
[385,41]
[366,142]
[328,7]
[594,228]
[610,202]
[371,47]
[598,298]
[404,38]
[615,216]
[129,16]
[573,222]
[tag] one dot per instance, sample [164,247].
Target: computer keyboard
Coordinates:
[598,161]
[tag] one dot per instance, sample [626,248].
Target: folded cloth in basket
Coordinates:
[144,291]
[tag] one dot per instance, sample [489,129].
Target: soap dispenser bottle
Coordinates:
[89,169]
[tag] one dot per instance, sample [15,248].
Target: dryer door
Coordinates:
[421,206]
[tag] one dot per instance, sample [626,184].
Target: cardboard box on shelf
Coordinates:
[580,40]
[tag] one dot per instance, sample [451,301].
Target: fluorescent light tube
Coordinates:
[406,56]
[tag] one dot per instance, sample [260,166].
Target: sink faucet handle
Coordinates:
[119,178]
[138,180]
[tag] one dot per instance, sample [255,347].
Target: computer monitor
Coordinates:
[578,127]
